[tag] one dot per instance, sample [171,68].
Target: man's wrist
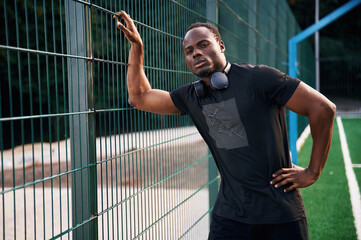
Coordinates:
[137,45]
[314,173]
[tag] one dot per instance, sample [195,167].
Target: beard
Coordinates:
[204,73]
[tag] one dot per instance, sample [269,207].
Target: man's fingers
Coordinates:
[291,188]
[120,26]
[296,177]
[127,19]
[280,177]
[285,181]
[129,23]
[119,16]
[281,171]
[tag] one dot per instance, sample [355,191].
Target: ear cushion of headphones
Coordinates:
[199,88]
[219,80]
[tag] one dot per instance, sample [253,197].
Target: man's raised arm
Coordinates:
[141,95]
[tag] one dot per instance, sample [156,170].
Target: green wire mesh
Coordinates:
[77,161]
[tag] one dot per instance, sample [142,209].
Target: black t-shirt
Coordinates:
[244,126]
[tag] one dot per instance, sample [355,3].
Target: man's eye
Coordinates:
[189,52]
[204,45]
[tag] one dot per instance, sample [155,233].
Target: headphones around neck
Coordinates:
[218,81]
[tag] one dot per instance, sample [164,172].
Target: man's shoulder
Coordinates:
[242,65]
[259,70]
[245,70]
[183,90]
[248,66]
[185,87]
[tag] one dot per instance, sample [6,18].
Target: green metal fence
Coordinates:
[77,162]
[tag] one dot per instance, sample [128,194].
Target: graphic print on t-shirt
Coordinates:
[225,125]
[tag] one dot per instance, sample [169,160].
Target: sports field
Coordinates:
[327,202]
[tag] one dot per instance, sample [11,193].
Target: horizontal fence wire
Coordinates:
[77,160]
[103,161]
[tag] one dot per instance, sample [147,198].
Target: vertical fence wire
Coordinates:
[149,177]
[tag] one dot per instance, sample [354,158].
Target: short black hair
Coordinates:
[211,28]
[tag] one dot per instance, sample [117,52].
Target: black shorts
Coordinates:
[226,229]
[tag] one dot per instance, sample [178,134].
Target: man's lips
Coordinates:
[199,63]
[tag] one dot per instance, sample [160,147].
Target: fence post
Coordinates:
[82,126]
[212,16]
[93,200]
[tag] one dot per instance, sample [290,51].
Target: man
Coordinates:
[244,125]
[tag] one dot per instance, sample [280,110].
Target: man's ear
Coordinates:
[222,46]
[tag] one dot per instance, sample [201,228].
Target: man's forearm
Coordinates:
[321,124]
[137,81]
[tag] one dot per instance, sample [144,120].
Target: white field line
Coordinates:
[301,140]
[351,179]
[356,165]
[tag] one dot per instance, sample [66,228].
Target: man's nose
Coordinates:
[197,53]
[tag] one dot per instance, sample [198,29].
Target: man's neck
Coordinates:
[225,69]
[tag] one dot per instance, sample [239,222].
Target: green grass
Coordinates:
[352,128]
[358,176]
[327,202]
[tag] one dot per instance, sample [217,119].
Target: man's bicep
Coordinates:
[157,101]
[305,99]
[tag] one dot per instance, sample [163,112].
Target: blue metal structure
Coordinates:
[292,58]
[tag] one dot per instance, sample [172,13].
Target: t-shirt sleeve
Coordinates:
[274,85]
[179,97]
